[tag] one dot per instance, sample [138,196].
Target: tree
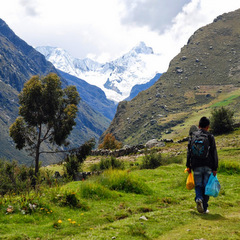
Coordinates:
[222,120]
[76,157]
[109,142]
[47,114]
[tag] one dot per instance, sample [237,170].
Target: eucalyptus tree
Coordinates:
[47,114]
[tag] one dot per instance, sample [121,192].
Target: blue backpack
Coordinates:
[200,145]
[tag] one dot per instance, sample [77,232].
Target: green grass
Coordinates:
[170,212]
[112,206]
[225,102]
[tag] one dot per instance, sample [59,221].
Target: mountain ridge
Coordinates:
[18,63]
[206,67]
[116,78]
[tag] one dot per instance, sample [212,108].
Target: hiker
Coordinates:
[203,160]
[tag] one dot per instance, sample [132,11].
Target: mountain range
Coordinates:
[206,70]
[116,78]
[18,63]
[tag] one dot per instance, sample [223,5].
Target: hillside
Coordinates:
[18,63]
[109,207]
[204,72]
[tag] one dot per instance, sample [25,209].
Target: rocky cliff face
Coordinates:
[207,66]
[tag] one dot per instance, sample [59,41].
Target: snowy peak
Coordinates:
[62,60]
[115,78]
[142,48]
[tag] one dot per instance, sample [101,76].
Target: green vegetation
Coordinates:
[110,142]
[151,161]
[225,102]
[222,121]
[47,114]
[74,160]
[129,204]
[107,163]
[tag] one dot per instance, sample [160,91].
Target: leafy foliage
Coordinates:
[222,120]
[110,142]
[151,161]
[75,159]
[95,190]
[47,114]
[69,199]
[120,180]
[14,178]
[107,163]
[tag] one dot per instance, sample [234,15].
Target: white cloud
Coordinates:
[107,29]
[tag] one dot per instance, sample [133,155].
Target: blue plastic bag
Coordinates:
[213,186]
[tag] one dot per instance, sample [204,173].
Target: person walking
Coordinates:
[202,158]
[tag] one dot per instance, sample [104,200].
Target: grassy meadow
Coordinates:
[130,204]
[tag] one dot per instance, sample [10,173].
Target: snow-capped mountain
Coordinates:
[115,78]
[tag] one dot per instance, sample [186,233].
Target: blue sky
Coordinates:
[104,30]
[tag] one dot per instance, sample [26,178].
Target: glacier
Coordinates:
[116,78]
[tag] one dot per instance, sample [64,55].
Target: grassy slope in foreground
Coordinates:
[170,209]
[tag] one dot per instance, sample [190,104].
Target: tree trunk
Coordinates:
[37,160]
[37,155]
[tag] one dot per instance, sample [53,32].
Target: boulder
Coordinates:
[154,143]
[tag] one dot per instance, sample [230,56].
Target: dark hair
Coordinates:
[204,122]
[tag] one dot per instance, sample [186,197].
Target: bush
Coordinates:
[96,191]
[74,161]
[109,142]
[151,161]
[120,180]
[15,178]
[222,121]
[69,199]
[112,162]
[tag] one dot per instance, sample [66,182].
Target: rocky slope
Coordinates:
[207,66]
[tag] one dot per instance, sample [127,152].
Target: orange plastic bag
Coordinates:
[190,181]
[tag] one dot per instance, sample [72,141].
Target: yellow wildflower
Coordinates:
[69,219]
[73,222]
[59,221]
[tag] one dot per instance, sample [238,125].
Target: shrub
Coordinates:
[96,191]
[111,162]
[69,199]
[107,163]
[151,161]
[74,161]
[121,180]
[15,178]
[109,142]
[222,121]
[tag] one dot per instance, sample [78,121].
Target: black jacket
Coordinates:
[212,159]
